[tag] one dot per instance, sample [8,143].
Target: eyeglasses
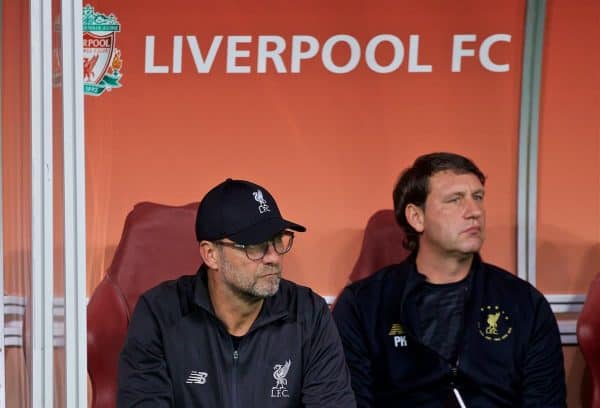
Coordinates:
[282,243]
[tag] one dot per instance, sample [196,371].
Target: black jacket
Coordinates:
[509,352]
[178,354]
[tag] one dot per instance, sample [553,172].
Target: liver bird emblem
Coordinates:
[492,321]
[258,196]
[280,372]
[88,67]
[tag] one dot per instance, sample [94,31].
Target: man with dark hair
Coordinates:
[235,334]
[444,328]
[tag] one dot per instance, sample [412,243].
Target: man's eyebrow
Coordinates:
[454,194]
[462,193]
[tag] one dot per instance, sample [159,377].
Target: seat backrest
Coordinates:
[588,336]
[382,245]
[158,244]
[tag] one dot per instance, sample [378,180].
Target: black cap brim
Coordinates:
[264,231]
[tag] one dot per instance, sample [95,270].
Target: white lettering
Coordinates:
[274,55]
[96,43]
[177,51]
[271,53]
[484,53]
[298,54]
[279,393]
[458,52]
[233,54]
[413,56]
[203,66]
[401,341]
[354,54]
[149,66]
[372,47]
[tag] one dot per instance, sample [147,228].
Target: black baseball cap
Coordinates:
[242,211]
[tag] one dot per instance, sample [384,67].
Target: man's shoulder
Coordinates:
[501,279]
[382,290]
[169,296]
[293,293]
[394,275]
[499,274]
[301,304]
[169,287]
[496,272]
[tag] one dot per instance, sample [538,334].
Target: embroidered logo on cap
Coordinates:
[258,196]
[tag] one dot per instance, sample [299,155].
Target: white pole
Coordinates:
[74,201]
[2,342]
[42,384]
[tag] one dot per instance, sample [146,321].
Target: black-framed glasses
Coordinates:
[282,243]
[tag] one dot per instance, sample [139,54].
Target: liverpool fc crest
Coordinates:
[280,372]
[102,61]
[494,324]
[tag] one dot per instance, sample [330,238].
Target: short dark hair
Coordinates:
[412,186]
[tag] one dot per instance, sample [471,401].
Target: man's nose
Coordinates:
[474,208]
[272,256]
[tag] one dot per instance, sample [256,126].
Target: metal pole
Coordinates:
[528,140]
[2,342]
[42,378]
[74,205]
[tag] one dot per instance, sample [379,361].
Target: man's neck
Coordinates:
[442,268]
[236,312]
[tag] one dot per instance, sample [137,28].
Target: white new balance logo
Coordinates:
[196,377]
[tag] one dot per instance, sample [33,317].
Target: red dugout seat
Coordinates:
[158,244]
[382,245]
[588,335]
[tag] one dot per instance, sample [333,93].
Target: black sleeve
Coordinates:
[326,381]
[143,377]
[543,370]
[352,333]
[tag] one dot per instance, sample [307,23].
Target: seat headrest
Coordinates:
[382,245]
[158,244]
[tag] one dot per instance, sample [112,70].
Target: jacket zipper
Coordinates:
[454,371]
[234,384]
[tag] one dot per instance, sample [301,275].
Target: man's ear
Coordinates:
[209,254]
[415,217]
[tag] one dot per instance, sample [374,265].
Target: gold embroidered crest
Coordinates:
[494,324]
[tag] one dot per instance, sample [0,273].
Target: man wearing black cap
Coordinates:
[235,334]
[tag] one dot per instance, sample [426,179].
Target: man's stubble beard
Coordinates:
[252,287]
